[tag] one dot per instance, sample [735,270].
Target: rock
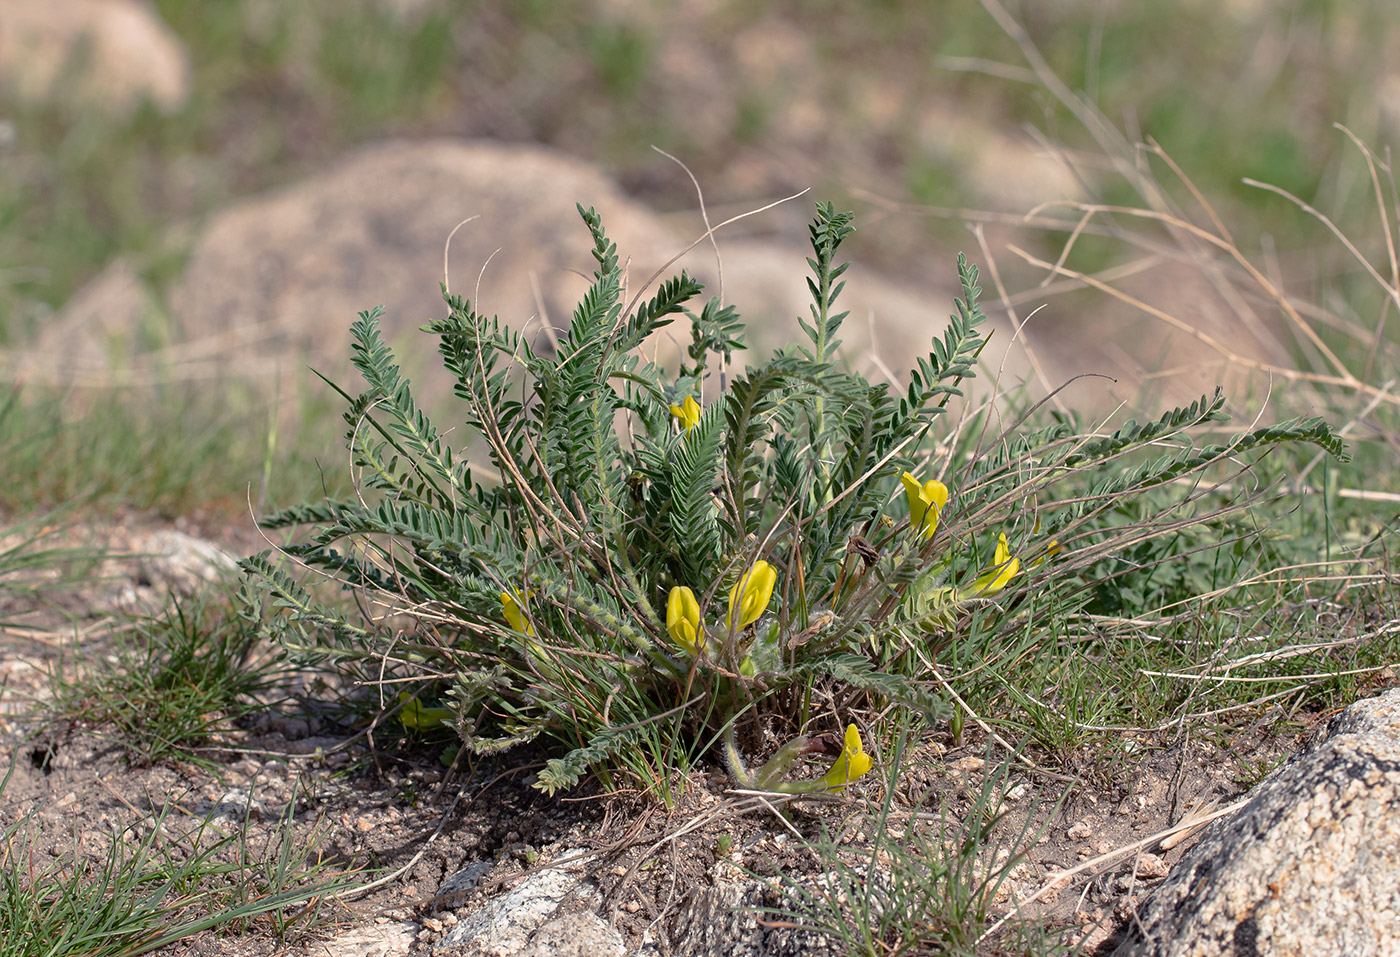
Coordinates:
[583,934]
[503,926]
[233,807]
[465,879]
[725,920]
[552,911]
[1150,867]
[111,53]
[389,939]
[1311,865]
[276,280]
[181,563]
[110,310]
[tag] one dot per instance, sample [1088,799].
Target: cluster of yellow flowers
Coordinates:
[751,594]
[748,600]
[926,503]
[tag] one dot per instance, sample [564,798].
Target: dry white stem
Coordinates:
[447,247]
[1061,878]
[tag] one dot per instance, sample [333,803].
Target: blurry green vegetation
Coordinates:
[279,89]
[745,93]
[170,450]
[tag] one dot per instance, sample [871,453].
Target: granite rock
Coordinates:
[1310,866]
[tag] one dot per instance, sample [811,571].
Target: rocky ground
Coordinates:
[443,846]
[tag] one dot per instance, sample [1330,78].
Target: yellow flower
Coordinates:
[418,718]
[1051,551]
[683,620]
[688,412]
[749,597]
[851,764]
[994,579]
[514,607]
[926,501]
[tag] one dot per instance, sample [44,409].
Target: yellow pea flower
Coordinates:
[1051,551]
[514,607]
[683,620]
[851,764]
[418,718]
[688,412]
[926,502]
[749,597]
[994,579]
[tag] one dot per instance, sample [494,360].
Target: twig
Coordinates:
[1061,878]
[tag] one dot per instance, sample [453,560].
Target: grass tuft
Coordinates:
[144,893]
[168,687]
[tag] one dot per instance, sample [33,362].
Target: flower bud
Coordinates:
[749,597]
[683,620]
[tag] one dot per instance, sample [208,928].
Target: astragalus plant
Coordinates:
[662,554]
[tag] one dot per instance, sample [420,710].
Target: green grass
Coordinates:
[147,892]
[927,880]
[169,450]
[169,687]
[168,690]
[35,561]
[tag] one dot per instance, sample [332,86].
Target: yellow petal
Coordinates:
[1006,566]
[926,502]
[994,579]
[683,620]
[513,605]
[851,764]
[749,597]
[914,492]
[414,716]
[1051,550]
[688,412]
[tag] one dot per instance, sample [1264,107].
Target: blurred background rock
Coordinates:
[204,190]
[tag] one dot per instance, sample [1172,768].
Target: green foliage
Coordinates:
[171,685]
[591,594]
[168,448]
[146,892]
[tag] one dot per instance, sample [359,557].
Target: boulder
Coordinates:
[1311,865]
[110,53]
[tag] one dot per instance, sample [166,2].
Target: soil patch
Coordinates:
[376,804]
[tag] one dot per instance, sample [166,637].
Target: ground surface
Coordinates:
[374,802]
